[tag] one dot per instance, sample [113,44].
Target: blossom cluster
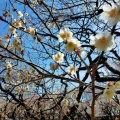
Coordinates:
[66,36]
[8,70]
[72,44]
[110,89]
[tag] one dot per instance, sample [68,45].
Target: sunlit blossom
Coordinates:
[14,35]
[111,13]
[72,44]
[16,43]
[31,31]
[102,41]
[52,26]
[72,69]
[12,29]
[64,35]
[16,24]
[108,94]
[26,87]
[7,37]
[64,102]
[59,57]
[22,21]
[20,14]
[19,48]
[8,65]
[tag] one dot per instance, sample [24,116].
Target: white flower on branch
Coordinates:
[20,14]
[26,87]
[108,93]
[14,35]
[72,69]
[72,44]
[102,41]
[64,35]
[16,43]
[31,31]
[16,24]
[64,102]
[12,29]
[8,65]
[111,14]
[7,37]
[58,58]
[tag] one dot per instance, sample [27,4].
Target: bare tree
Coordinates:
[35,84]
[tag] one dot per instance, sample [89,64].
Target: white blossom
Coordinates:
[111,13]
[16,43]
[20,14]
[58,57]
[17,24]
[12,29]
[64,35]
[108,94]
[72,44]
[8,65]
[72,69]
[26,87]
[7,37]
[102,41]
[31,31]
[64,102]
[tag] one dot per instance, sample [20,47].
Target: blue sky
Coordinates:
[2,24]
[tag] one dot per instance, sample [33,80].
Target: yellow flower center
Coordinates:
[108,92]
[63,35]
[70,44]
[72,69]
[58,57]
[103,40]
[112,13]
